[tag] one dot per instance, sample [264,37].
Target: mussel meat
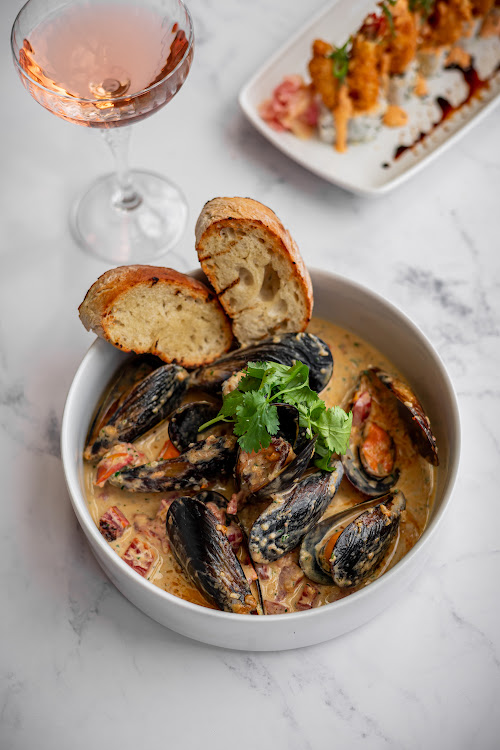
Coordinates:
[193,469]
[149,401]
[382,403]
[256,470]
[205,555]
[292,513]
[413,415]
[346,548]
[284,349]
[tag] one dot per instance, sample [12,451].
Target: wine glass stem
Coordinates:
[126,197]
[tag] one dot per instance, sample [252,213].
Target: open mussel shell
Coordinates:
[212,498]
[284,349]
[185,422]
[194,469]
[412,413]
[368,485]
[150,401]
[291,473]
[346,548]
[290,516]
[206,557]
[134,370]
[255,470]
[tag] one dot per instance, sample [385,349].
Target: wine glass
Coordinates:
[107,64]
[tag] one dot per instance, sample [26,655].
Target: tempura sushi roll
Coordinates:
[362,127]
[402,86]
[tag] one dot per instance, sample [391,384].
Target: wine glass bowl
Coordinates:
[109,100]
[107,64]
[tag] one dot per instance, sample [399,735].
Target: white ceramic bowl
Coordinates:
[381,324]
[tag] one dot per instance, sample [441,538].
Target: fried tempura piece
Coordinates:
[321,72]
[363,77]
[401,45]
[481,7]
[447,23]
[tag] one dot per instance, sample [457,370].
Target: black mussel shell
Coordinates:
[413,414]
[206,557]
[284,349]
[255,470]
[194,469]
[184,423]
[355,471]
[287,519]
[361,547]
[356,474]
[135,369]
[311,557]
[209,498]
[291,473]
[150,401]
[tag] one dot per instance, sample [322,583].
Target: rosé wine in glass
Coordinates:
[105,64]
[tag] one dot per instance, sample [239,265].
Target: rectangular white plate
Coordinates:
[361,170]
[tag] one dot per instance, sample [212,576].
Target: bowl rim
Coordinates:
[78,501]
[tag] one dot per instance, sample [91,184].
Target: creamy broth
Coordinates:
[417,480]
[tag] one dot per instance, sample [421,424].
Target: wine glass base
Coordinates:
[136,235]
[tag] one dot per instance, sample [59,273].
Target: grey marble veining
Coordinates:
[80,666]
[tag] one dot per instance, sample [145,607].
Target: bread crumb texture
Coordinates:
[255,267]
[148,309]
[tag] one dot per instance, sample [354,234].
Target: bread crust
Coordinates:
[250,215]
[97,309]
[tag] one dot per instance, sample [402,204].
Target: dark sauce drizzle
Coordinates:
[476,85]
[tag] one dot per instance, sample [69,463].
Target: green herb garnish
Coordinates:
[387,13]
[425,7]
[252,409]
[340,60]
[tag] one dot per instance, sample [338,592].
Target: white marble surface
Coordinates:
[81,667]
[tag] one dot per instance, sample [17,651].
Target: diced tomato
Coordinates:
[113,523]
[274,608]
[307,597]
[168,451]
[120,455]
[377,451]
[140,556]
[155,528]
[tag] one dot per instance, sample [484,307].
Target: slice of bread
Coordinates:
[255,267]
[146,309]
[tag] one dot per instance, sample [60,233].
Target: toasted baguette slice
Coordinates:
[255,267]
[150,309]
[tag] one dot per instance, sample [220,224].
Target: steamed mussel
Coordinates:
[247,528]
[381,405]
[284,349]
[148,402]
[292,513]
[348,547]
[195,468]
[205,555]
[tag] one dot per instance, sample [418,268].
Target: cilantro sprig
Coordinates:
[251,406]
